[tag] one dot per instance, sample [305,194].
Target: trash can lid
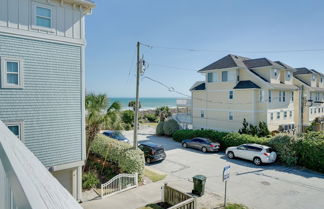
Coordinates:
[200,177]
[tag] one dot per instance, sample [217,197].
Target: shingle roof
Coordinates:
[246,85]
[228,61]
[285,65]
[302,70]
[260,62]
[201,86]
[257,74]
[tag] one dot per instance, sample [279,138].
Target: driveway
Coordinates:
[264,187]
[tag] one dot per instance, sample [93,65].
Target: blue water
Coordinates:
[146,103]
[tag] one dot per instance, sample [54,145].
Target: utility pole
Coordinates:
[138,66]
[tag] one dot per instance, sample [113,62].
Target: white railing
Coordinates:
[119,183]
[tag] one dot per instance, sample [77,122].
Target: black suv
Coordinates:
[152,152]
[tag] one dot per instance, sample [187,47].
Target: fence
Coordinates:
[119,183]
[178,199]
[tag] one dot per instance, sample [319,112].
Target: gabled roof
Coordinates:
[246,85]
[257,74]
[285,65]
[201,86]
[228,61]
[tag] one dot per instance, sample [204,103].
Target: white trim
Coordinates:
[66,166]
[34,21]
[20,124]
[227,110]
[4,83]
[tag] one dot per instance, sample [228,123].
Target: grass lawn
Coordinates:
[151,124]
[153,175]
[235,206]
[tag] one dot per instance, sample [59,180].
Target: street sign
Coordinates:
[226,173]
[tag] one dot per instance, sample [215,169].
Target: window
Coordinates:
[209,77]
[43,17]
[16,128]
[321,79]
[261,96]
[271,116]
[202,114]
[269,92]
[288,75]
[11,73]
[212,77]
[290,113]
[311,110]
[314,110]
[280,96]
[283,96]
[313,77]
[275,73]
[230,95]
[319,110]
[224,76]
[230,116]
[278,115]
[285,114]
[292,96]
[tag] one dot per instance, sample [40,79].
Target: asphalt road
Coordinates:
[263,187]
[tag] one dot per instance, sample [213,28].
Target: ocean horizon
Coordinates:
[146,102]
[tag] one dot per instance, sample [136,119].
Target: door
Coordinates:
[240,151]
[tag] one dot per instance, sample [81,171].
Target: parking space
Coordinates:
[260,187]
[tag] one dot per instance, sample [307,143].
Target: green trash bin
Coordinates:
[199,185]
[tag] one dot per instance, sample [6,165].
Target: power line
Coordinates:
[172,67]
[230,51]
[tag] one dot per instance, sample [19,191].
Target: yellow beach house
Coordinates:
[258,90]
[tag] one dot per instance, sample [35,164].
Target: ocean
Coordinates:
[146,103]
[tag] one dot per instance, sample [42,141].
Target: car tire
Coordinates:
[230,155]
[184,145]
[148,160]
[257,161]
[204,149]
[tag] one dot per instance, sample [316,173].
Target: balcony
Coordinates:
[25,183]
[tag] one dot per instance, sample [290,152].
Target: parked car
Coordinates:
[203,144]
[152,152]
[116,135]
[254,152]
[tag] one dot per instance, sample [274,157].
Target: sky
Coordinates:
[250,28]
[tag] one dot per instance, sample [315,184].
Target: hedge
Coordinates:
[306,150]
[170,126]
[159,128]
[127,159]
[310,153]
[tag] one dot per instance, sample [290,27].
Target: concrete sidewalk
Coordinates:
[149,193]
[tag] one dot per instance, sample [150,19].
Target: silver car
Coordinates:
[203,144]
[254,152]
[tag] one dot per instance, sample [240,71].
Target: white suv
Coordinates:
[254,152]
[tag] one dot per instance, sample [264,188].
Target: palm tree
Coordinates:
[163,112]
[98,114]
[133,104]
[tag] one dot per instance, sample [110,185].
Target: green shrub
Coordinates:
[89,180]
[128,117]
[127,126]
[284,146]
[310,152]
[170,126]
[151,117]
[159,129]
[236,139]
[127,159]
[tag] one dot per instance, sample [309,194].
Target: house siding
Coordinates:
[50,102]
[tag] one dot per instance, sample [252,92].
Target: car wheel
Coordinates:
[148,160]
[257,161]
[204,149]
[230,155]
[185,145]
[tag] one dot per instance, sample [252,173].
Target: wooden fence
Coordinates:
[178,199]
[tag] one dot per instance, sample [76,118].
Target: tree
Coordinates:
[245,128]
[128,117]
[98,114]
[133,104]
[163,112]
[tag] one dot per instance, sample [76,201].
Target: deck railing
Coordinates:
[178,199]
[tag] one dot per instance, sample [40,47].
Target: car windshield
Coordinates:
[269,150]
[118,135]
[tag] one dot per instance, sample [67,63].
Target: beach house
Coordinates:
[258,90]
[42,90]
